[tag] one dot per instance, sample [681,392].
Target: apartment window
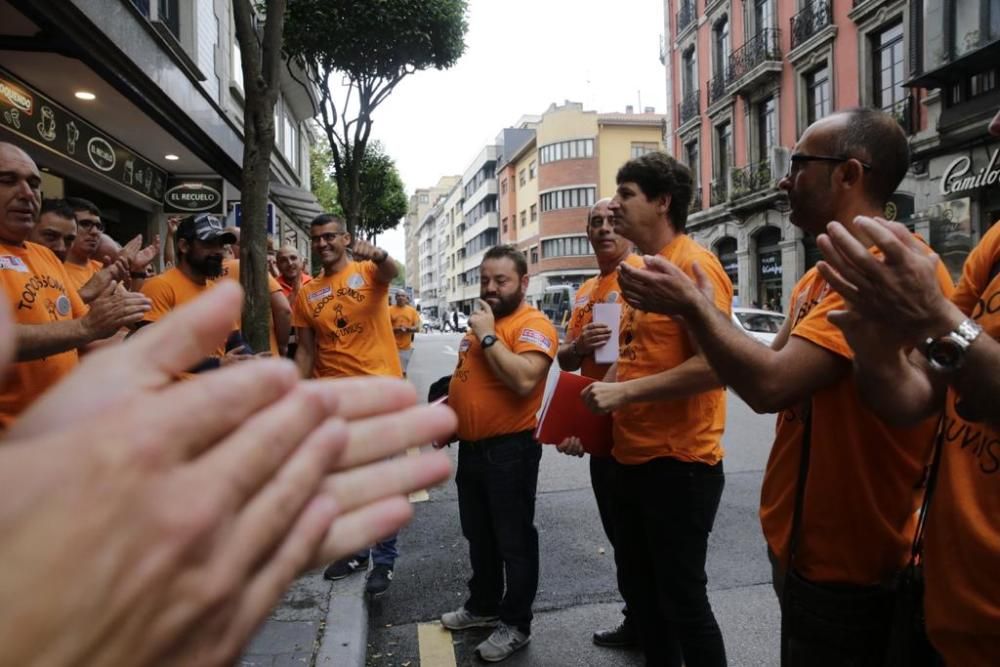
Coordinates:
[524,218]
[689,75]
[887,61]
[721,46]
[520,178]
[567,150]
[290,141]
[724,144]
[974,23]
[691,153]
[569,246]
[531,170]
[640,149]
[818,103]
[424,198]
[763,14]
[504,223]
[767,127]
[237,64]
[534,254]
[534,212]
[503,186]
[483,241]
[568,198]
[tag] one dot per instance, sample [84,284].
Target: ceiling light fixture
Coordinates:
[171,157]
[85,95]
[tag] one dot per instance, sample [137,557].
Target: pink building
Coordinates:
[746,78]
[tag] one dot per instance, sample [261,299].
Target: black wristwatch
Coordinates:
[487,341]
[947,353]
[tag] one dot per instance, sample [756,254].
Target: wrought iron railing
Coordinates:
[719,193]
[902,111]
[752,178]
[685,15]
[763,47]
[814,17]
[717,88]
[690,106]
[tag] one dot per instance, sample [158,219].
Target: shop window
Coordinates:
[769,268]
[725,250]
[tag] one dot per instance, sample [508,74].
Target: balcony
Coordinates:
[685,15]
[751,178]
[716,89]
[756,62]
[719,194]
[902,111]
[808,23]
[690,107]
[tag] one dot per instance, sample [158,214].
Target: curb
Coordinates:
[345,641]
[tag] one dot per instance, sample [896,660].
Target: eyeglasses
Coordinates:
[799,160]
[89,224]
[329,237]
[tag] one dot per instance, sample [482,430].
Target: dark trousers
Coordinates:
[497,479]
[602,470]
[664,510]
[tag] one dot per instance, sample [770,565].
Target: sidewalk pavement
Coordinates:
[318,622]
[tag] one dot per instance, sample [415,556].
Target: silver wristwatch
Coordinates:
[947,353]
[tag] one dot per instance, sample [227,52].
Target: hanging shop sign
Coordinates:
[770,264]
[28,113]
[193,195]
[959,177]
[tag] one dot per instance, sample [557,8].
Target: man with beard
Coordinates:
[495,391]
[342,323]
[199,241]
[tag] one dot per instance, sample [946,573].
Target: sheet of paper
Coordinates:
[609,314]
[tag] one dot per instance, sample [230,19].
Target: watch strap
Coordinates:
[488,341]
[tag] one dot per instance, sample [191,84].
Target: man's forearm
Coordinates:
[387,269]
[568,358]
[693,376]
[305,354]
[896,388]
[978,380]
[35,341]
[515,371]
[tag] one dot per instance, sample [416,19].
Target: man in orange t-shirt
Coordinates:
[845,165]
[405,322]
[583,336]
[56,227]
[669,412]
[341,319]
[51,322]
[895,306]
[291,277]
[496,391]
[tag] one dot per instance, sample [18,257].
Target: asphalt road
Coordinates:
[577,592]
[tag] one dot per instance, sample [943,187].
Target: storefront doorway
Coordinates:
[769,269]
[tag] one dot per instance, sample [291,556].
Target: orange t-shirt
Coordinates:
[599,289]
[484,405]
[79,275]
[962,547]
[687,429]
[38,291]
[231,269]
[404,316]
[349,315]
[287,288]
[170,290]
[863,485]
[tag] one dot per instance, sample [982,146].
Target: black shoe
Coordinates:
[345,567]
[378,580]
[621,637]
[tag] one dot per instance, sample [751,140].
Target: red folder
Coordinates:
[565,415]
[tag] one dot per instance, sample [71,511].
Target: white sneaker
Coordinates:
[463,618]
[502,643]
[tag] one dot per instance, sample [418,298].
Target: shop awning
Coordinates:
[298,202]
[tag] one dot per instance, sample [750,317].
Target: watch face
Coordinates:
[944,354]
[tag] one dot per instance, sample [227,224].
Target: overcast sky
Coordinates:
[520,57]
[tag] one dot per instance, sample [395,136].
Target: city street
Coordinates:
[577,592]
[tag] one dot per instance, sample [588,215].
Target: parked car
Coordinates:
[448,323]
[763,325]
[430,323]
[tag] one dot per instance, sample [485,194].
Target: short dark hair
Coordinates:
[326,219]
[81,204]
[57,206]
[657,174]
[511,253]
[875,137]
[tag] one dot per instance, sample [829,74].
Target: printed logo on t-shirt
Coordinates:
[464,345]
[13,263]
[580,300]
[535,338]
[356,281]
[63,305]
[320,294]
[612,297]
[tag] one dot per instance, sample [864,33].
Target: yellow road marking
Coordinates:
[436,648]
[417,496]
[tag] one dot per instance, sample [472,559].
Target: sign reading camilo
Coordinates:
[193,196]
[957,176]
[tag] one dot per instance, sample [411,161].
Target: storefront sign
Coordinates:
[770,264]
[956,177]
[193,195]
[30,114]
[237,210]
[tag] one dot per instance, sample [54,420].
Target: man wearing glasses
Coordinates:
[81,263]
[851,529]
[342,324]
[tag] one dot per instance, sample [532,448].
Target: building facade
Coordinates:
[421,202]
[748,77]
[138,106]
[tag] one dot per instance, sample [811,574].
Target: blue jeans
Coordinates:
[497,479]
[384,552]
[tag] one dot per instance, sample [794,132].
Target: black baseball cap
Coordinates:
[204,227]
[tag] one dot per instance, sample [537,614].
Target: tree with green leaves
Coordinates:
[383,198]
[324,187]
[259,27]
[355,54]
